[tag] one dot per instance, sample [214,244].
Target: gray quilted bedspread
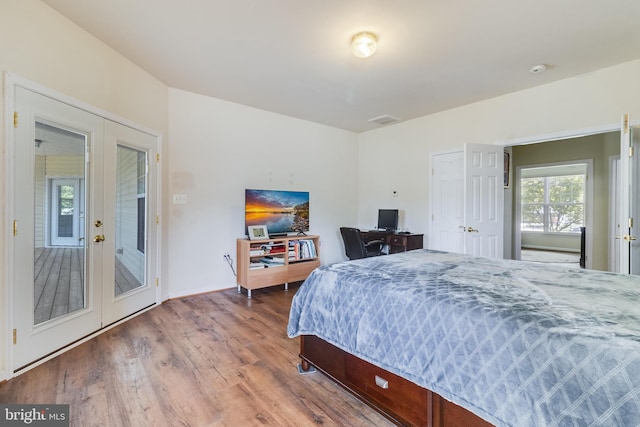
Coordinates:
[517,343]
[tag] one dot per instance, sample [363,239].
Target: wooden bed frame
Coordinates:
[398,399]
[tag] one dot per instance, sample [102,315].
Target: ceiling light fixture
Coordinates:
[364,44]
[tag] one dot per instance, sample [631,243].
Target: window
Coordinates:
[552,199]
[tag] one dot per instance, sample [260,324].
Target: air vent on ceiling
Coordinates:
[384,120]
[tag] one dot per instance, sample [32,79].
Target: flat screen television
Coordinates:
[283,212]
[388,219]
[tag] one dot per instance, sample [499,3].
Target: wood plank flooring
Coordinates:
[216,359]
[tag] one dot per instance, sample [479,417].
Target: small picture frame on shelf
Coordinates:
[257,232]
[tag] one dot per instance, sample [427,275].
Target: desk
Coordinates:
[397,242]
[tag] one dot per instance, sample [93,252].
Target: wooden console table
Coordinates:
[269,262]
[398,242]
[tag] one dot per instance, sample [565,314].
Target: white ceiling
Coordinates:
[292,56]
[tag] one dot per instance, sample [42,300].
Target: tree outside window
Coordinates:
[553,204]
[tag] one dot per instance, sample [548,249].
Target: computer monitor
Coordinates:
[388,219]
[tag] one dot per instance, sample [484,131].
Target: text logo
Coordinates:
[34,415]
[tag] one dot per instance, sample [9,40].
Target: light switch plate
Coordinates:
[179,199]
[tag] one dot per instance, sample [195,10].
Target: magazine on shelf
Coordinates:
[272,261]
[256,265]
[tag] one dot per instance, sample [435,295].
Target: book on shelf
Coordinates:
[268,248]
[302,249]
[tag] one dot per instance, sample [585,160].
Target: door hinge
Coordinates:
[15,336]
[157,219]
[630,151]
[15,227]
[630,222]
[625,123]
[15,119]
[157,282]
[157,157]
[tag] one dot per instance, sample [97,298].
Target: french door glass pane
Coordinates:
[131,185]
[59,243]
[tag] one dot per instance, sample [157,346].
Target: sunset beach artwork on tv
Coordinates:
[281,211]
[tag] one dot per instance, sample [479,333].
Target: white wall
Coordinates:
[218,150]
[38,44]
[597,99]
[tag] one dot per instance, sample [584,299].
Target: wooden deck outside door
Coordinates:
[64,292]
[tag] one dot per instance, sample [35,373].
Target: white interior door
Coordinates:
[629,176]
[484,199]
[447,201]
[467,201]
[104,171]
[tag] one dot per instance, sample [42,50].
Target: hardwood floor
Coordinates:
[217,359]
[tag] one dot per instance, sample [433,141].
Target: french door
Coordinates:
[129,260]
[84,248]
[467,201]
[628,236]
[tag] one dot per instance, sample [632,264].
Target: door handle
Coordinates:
[471,230]
[99,238]
[628,238]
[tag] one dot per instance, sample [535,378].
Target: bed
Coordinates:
[439,339]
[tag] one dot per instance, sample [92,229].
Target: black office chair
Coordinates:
[356,248]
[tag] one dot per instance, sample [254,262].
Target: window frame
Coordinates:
[547,205]
[517,209]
